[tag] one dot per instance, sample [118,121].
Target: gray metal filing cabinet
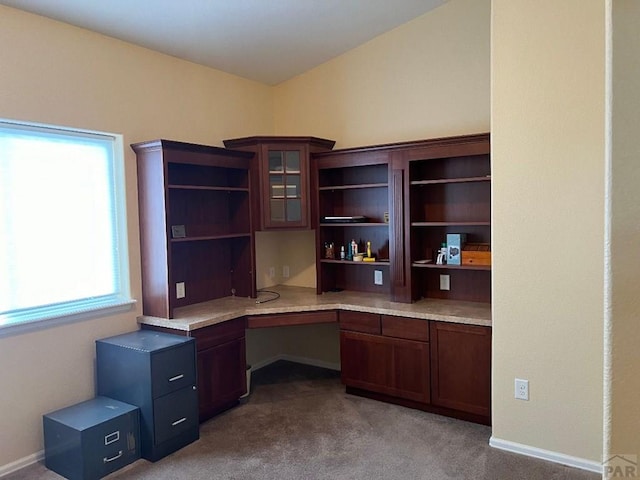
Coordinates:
[91,439]
[156,372]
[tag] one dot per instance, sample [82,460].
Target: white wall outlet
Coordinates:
[272,272]
[445,282]
[180,293]
[522,389]
[285,271]
[377,277]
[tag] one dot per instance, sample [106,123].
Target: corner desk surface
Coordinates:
[301,299]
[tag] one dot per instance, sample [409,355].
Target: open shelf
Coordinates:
[205,192]
[452,180]
[351,262]
[450,224]
[202,187]
[211,237]
[412,195]
[355,224]
[450,194]
[451,267]
[354,186]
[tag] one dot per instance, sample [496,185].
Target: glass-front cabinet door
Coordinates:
[280,179]
[286,188]
[285,192]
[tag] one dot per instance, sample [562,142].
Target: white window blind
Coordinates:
[63,245]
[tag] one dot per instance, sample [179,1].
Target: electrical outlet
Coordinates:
[272,272]
[522,389]
[445,282]
[180,293]
[285,271]
[377,277]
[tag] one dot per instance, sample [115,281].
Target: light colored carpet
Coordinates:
[298,423]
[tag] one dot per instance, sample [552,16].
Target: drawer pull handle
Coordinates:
[177,377]
[107,460]
[178,422]
[112,437]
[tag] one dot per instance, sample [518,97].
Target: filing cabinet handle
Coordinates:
[178,422]
[177,377]
[107,460]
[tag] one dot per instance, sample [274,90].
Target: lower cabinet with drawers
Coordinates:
[377,355]
[440,367]
[156,372]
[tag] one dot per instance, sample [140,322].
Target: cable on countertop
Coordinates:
[265,300]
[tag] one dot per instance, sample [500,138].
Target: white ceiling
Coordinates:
[264,40]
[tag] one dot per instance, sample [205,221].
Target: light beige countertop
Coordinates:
[300,299]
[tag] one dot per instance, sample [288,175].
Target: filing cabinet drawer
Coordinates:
[173,369]
[175,413]
[91,439]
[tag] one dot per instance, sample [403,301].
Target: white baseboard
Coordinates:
[293,358]
[21,463]
[548,455]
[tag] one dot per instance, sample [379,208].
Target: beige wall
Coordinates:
[295,249]
[548,151]
[424,79]
[623,419]
[58,74]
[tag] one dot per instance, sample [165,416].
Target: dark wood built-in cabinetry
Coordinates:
[199,209]
[449,185]
[352,183]
[461,367]
[425,189]
[221,366]
[434,366]
[281,175]
[195,224]
[385,354]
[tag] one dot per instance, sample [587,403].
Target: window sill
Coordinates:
[18,327]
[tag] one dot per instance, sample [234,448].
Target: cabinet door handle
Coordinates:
[107,460]
[178,422]
[177,377]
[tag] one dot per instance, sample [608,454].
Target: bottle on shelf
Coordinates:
[342,254]
[442,255]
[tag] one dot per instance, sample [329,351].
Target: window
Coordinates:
[63,243]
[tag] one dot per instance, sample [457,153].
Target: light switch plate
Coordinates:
[445,282]
[377,277]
